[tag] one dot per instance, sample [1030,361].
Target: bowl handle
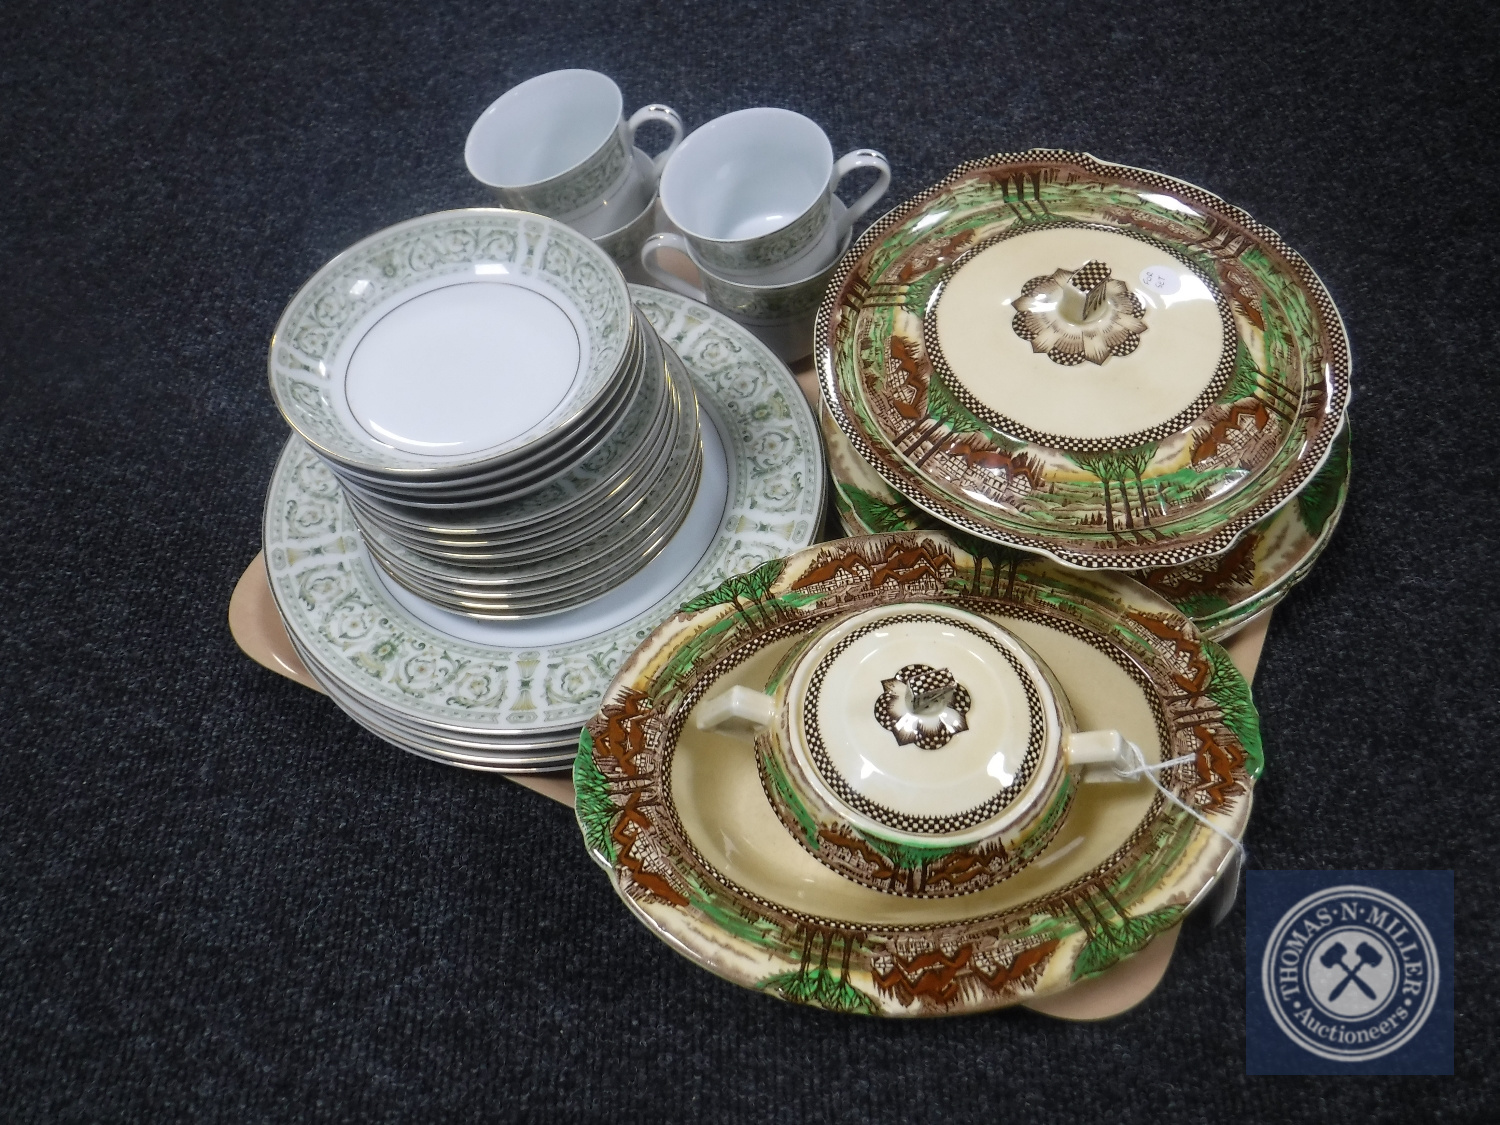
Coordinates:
[739,708]
[1105,755]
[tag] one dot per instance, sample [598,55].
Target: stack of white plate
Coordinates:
[513,441]
[511,694]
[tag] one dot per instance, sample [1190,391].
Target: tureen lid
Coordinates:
[1101,363]
[923,722]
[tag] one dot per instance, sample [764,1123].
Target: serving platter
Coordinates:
[678,818]
[1099,363]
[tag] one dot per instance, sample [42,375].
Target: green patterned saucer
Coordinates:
[761,498]
[680,818]
[1099,363]
[1221,593]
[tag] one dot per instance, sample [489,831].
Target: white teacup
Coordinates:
[558,144]
[753,193]
[780,315]
[624,243]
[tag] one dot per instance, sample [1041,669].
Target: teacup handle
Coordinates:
[656,112]
[862,158]
[1103,754]
[739,706]
[670,280]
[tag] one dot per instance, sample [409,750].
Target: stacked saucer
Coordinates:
[511,438]
[486,691]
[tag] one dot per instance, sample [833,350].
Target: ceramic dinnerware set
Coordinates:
[1081,417]
[511,438]
[507,468]
[1101,364]
[752,194]
[1084,417]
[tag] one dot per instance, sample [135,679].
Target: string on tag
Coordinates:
[1149,770]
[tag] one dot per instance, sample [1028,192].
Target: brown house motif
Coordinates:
[978,467]
[905,380]
[901,572]
[1243,426]
[1190,669]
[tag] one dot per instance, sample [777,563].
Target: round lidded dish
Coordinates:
[926,777]
[452,344]
[1096,362]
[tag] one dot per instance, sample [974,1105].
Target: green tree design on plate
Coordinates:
[1200,604]
[1317,501]
[1249,381]
[876,515]
[819,984]
[822,987]
[1110,942]
[595,809]
[1002,560]
[1229,690]
[1111,470]
[751,589]
[740,921]
[905,857]
[1134,462]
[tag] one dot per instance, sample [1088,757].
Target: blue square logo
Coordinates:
[1349,972]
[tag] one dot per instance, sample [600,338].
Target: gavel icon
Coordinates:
[1334,956]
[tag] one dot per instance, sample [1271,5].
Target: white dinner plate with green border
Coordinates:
[443,345]
[760,498]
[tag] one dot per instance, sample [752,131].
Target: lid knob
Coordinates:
[923,705]
[1079,315]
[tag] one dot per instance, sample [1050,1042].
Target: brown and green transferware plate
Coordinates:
[1221,593]
[1103,364]
[679,818]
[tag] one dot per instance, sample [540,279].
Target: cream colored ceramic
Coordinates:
[1082,359]
[1221,593]
[678,818]
[258,630]
[920,728]
[1050,374]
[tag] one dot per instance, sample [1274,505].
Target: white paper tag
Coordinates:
[1160,279]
